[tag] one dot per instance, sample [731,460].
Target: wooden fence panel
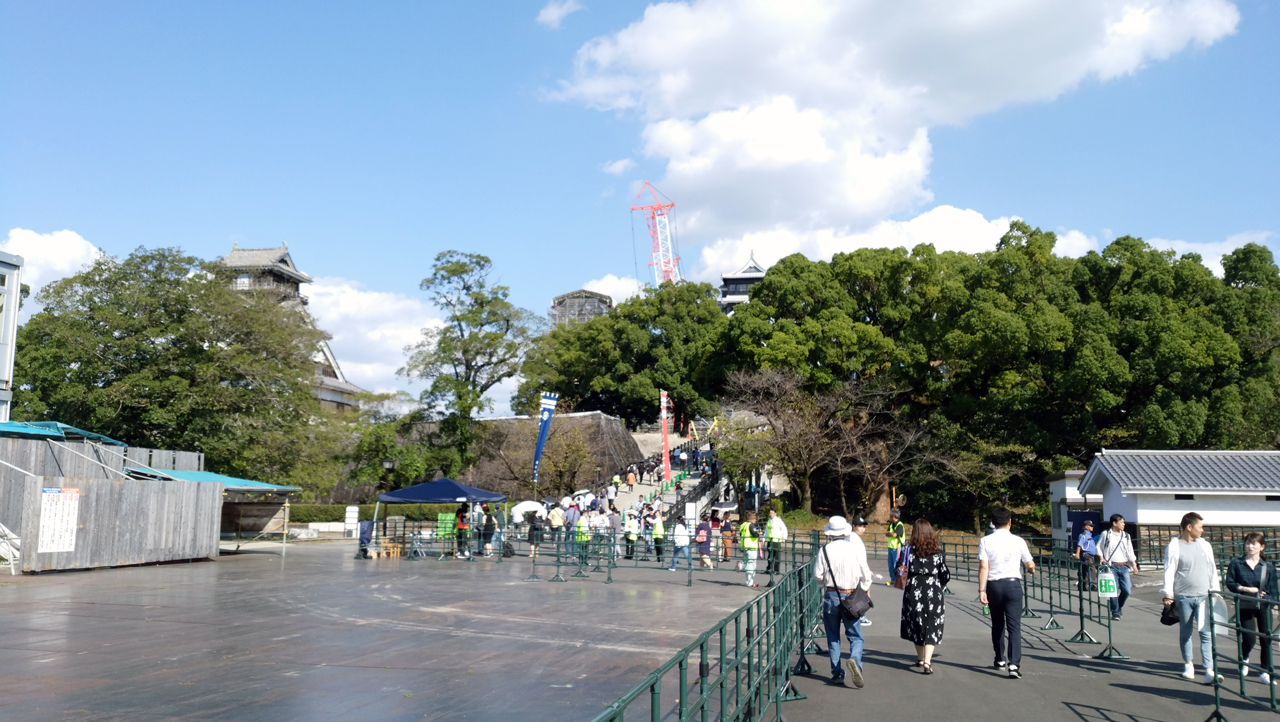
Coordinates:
[120,521]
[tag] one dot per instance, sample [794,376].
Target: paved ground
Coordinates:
[1061,683]
[320,636]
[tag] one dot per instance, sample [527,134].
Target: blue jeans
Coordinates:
[1189,609]
[832,617]
[893,565]
[1124,585]
[675,555]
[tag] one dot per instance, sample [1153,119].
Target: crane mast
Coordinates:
[664,261]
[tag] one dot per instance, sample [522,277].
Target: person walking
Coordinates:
[535,533]
[611,494]
[462,530]
[923,603]
[1000,556]
[615,530]
[659,533]
[1251,575]
[1189,575]
[895,535]
[680,542]
[631,530]
[631,480]
[841,567]
[716,528]
[775,533]
[571,518]
[1087,552]
[555,520]
[1115,553]
[703,536]
[749,541]
[859,525]
[489,525]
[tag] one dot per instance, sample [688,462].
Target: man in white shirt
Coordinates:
[1000,558]
[842,566]
[1115,553]
[1190,575]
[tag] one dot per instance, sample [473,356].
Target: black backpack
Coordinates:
[508,551]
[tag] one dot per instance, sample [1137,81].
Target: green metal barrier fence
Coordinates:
[1059,581]
[1263,632]
[741,667]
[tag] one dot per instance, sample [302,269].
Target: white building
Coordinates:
[1153,489]
[1066,503]
[735,288]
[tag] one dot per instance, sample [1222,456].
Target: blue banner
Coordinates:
[544,425]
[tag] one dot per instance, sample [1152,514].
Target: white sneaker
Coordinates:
[1188,672]
[1208,676]
[1264,678]
[1244,671]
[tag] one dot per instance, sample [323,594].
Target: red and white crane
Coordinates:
[665,263]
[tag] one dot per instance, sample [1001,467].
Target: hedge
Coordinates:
[305,513]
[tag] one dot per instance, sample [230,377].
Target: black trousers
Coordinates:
[631,548]
[657,543]
[1255,619]
[1004,596]
[775,558]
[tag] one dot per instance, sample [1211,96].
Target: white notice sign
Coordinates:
[59,516]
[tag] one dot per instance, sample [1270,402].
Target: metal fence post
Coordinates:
[1082,636]
[559,562]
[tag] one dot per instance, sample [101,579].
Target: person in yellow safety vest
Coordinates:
[775,533]
[658,534]
[749,542]
[581,533]
[895,535]
[631,528]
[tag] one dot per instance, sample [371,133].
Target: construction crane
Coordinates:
[664,261]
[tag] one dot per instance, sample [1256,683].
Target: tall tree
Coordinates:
[482,342]
[157,350]
[667,339]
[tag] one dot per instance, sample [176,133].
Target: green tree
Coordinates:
[666,339]
[481,343]
[157,350]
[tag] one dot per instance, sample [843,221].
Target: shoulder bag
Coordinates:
[904,566]
[855,604]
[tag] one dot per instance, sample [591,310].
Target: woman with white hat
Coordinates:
[842,567]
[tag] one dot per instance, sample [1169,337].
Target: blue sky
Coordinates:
[372,136]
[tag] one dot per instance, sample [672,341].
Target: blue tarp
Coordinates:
[228,482]
[19,430]
[70,432]
[440,491]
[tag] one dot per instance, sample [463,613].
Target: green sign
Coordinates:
[1107,585]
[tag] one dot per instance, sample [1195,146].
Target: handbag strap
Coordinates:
[830,571]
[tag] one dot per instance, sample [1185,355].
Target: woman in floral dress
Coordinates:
[923,606]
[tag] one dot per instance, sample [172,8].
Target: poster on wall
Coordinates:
[59,517]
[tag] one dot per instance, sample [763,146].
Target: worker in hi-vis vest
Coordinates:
[631,529]
[582,533]
[749,542]
[658,534]
[775,533]
[895,535]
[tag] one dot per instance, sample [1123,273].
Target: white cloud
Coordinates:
[946,227]
[619,289]
[48,256]
[812,117]
[618,167]
[554,12]
[370,329]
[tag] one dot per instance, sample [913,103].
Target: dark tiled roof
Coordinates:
[274,259]
[1188,471]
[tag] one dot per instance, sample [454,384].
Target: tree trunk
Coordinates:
[806,495]
[881,502]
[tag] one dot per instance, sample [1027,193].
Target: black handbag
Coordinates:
[857,603]
[1169,616]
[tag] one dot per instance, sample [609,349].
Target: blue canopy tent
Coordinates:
[71,433]
[440,491]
